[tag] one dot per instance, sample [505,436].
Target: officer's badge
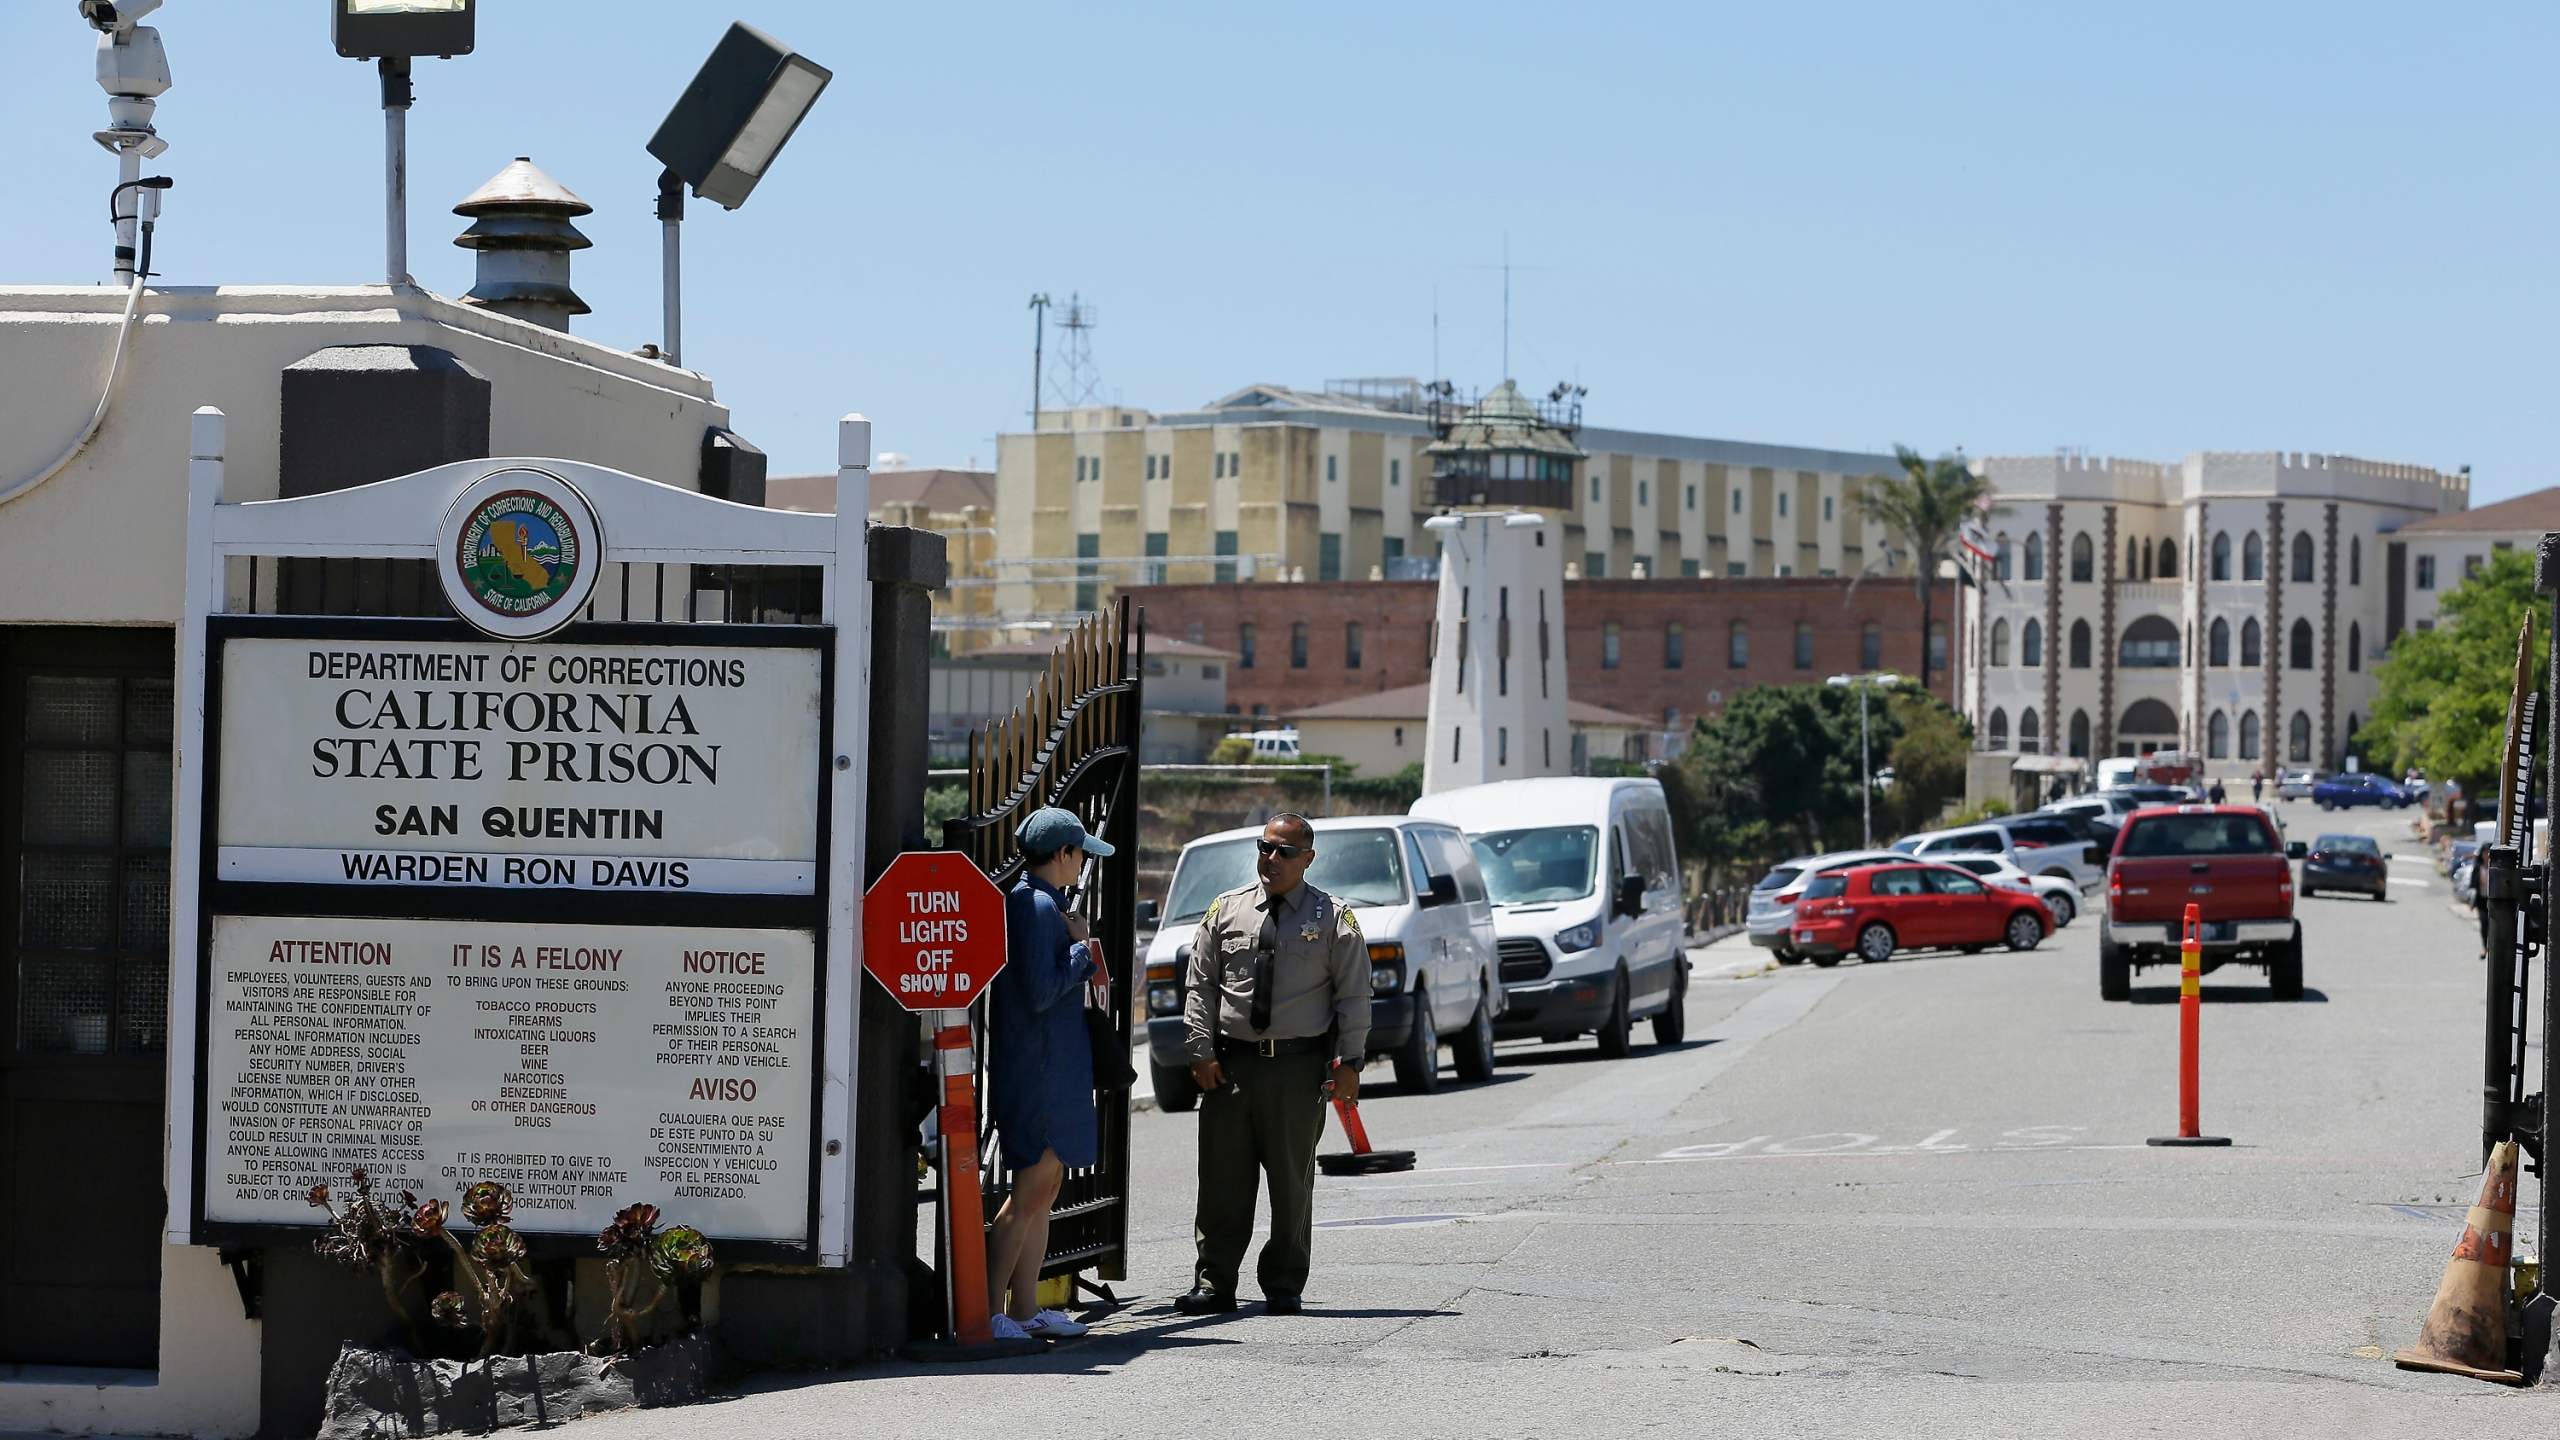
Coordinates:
[1310,933]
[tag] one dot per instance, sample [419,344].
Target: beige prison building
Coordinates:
[1277,484]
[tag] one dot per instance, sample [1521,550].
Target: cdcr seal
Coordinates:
[519,553]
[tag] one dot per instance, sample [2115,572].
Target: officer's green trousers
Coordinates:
[1263,1123]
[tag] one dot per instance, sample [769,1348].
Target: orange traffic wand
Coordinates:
[2190,1017]
[1361,1160]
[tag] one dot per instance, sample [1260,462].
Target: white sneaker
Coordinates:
[1054,1325]
[1008,1328]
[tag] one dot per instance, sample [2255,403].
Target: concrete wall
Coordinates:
[102,542]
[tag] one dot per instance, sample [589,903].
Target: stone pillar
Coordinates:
[2271,727]
[2102,743]
[2057,739]
[2327,755]
[2199,627]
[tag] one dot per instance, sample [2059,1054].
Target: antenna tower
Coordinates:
[1077,381]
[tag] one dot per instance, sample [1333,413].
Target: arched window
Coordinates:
[2027,732]
[1871,646]
[2079,644]
[2000,558]
[2217,737]
[2084,559]
[1999,644]
[2168,559]
[1609,645]
[1999,729]
[2147,718]
[2031,647]
[1351,646]
[2355,559]
[2300,658]
[1737,645]
[2134,553]
[1674,646]
[2221,555]
[2252,649]
[1804,644]
[2302,557]
[2253,558]
[2080,733]
[2249,735]
[2218,642]
[2355,651]
[2035,557]
[2298,739]
[1298,646]
[2149,643]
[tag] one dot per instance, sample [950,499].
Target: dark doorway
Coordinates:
[85,794]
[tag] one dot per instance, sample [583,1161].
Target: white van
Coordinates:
[1586,904]
[1414,887]
[1274,745]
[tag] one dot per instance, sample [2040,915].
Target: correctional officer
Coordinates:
[1276,1021]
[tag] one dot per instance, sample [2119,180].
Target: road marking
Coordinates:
[1629,1098]
[1843,1142]
[1366,1221]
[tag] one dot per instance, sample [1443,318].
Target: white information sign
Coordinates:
[587,1067]
[665,769]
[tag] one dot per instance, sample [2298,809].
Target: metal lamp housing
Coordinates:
[369,29]
[734,118]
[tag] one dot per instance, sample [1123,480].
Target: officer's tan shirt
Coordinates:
[1319,980]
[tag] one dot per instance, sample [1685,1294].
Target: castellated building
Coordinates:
[2232,605]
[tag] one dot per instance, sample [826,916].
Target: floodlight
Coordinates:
[721,137]
[1523,520]
[733,119]
[1444,522]
[370,29]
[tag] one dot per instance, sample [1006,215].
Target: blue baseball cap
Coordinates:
[1053,829]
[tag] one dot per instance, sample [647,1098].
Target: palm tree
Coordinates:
[1924,507]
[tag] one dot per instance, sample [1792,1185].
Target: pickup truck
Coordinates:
[2226,860]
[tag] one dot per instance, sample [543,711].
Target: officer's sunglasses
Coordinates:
[1285,852]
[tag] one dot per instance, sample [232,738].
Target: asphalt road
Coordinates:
[1911,1197]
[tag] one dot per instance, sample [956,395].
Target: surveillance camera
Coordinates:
[116,17]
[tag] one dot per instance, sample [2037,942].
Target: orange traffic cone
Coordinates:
[2466,1330]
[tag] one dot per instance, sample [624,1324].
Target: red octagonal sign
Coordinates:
[933,930]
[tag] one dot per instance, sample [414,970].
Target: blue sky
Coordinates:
[2011,229]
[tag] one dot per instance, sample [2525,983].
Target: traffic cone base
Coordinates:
[1360,1159]
[2466,1329]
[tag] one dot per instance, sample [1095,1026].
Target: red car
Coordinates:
[1874,912]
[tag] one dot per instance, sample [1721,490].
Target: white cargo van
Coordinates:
[1414,887]
[1586,904]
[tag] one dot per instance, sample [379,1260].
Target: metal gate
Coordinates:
[1073,743]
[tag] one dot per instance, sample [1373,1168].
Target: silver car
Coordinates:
[2039,846]
[1771,918]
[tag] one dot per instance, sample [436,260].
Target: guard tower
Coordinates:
[1507,449]
[1497,674]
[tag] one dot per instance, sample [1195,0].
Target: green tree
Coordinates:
[1928,757]
[2443,703]
[1924,507]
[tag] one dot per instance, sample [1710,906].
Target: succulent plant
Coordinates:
[682,1254]
[429,1217]
[319,1196]
[634,1229]
[497,1246]
[450,1311]
[486,1203]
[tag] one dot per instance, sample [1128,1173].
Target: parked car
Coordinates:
[1876,910]
[2346,862]
[1770,922]
[1433,959]
[2096,825]
[2296,784]
[2037,846]
[2061,897]
[2229,862]
[2358,787]
[1586,904]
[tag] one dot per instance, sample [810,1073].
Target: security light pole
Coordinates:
[1866,767]
[723,133]
[390,33]
[396,98]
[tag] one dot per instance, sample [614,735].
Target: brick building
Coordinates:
[1665,649]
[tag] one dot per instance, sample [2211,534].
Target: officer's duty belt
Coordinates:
[1273,1049]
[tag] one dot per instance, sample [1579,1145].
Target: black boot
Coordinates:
[1204,1301]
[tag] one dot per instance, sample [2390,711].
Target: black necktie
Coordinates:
[1264,956]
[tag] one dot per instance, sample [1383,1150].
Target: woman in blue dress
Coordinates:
[1040,1064]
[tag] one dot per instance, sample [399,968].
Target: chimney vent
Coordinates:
[520,226]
